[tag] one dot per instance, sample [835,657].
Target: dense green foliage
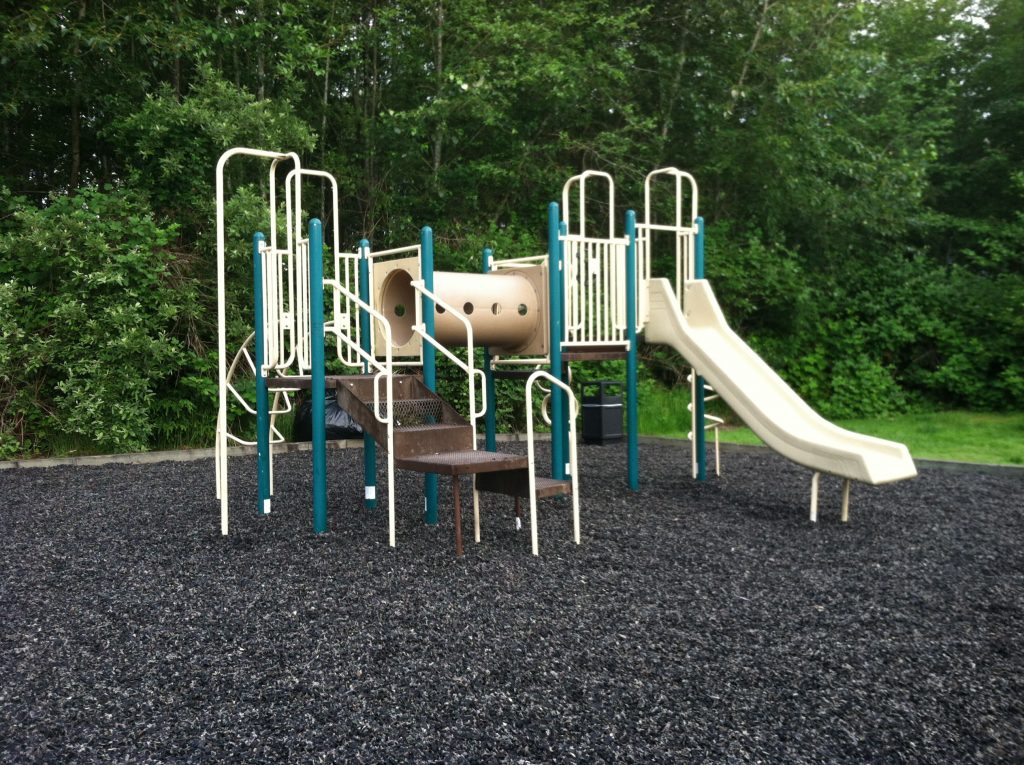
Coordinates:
[861,168]
[88,331]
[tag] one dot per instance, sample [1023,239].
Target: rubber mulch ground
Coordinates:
[696,622]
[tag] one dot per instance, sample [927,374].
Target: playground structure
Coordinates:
[588,298]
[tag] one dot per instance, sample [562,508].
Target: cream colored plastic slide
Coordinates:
[760,397]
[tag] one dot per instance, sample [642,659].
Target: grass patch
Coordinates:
[961,436]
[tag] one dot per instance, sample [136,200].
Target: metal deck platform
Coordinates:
[465,462]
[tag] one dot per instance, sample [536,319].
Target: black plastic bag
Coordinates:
[339,423]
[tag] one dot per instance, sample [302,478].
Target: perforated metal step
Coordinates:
[516,483]
[424,423]
[414,412]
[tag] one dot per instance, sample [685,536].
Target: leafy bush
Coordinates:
[89,306]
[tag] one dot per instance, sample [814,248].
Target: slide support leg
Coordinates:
[700,444]
[814,496]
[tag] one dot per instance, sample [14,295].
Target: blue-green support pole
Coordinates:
[699,441]
[429,359]
[490,395]
[632,412]
[563,229]
[365,342]
[555,340]
[317,380]
[262,402]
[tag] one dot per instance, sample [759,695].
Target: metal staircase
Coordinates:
[430,436]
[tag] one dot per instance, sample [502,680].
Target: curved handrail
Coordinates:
[684,232]
[468,366]
[220,461]
[680,176]
[573,409]
[297,285]
[547,398]
[581,179]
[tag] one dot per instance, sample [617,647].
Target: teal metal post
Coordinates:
[490,395]
[262,402]
[317,382]
[555,342]
[563,229]
[632,412]
[365,342]
[699,440]
[429,359]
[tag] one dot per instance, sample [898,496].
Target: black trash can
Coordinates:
[602,412]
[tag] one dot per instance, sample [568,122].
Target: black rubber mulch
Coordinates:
[695,623]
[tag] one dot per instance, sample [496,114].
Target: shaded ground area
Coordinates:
[696,622]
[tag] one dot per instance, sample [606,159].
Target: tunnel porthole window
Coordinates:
[397,297]
[496,309]
[522,309]
[467,308]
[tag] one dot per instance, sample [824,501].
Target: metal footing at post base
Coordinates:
[845,514]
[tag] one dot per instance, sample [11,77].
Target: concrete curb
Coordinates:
[188,455]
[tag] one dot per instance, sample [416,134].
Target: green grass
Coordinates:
[956,435]
[961,436]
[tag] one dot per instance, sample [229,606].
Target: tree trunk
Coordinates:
[669,102]
[176,74]
[323,120]
[737,91]
[75,171]
[439,77]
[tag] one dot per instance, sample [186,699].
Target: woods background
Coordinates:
[861,168]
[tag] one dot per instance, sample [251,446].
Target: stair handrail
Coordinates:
[384,369]
[532,462]
[547,397]
[468,366]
